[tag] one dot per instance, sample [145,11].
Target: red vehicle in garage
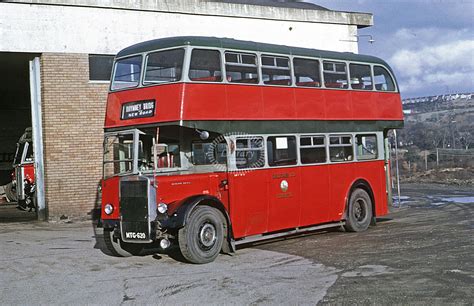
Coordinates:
[212,142]
[23,175]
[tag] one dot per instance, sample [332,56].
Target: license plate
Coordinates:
[135,231]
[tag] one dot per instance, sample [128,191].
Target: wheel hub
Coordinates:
[359,210]
[207,235]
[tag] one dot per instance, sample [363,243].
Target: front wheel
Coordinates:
[10,192]
[119,248]
[359,211]
[201,239]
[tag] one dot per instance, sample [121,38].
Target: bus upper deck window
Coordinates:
[361,78]
[276,70]
[241,67]
[383,80]
[164,66]
[127,72]
[335,74]
[205,66]
[307,72]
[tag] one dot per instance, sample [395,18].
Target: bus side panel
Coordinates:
[341,177]
[167,104]
[248,195]
[205,101]
[373,173]
[284,198]
[315,201]
[273,105]
[244,102]
[171,189]
[338,104]
[389,105]
[310,103]
[364,106]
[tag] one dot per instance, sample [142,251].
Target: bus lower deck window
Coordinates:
[249,153]
[281,150]
[340,148]
[312,149]
[366,146]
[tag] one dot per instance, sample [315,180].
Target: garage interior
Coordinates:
[15,116]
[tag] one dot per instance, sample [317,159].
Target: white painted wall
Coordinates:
[52,28]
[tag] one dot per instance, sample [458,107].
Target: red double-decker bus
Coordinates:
[213,142]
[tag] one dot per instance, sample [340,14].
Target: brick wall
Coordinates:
[73,117]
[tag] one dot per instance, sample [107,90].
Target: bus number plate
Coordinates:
[138,109]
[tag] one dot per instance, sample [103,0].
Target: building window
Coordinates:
[100,67]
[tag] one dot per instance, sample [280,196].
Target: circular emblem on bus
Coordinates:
[284,185]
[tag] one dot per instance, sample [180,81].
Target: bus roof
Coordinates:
[228,43]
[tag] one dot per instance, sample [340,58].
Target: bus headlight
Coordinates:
[108,209]
[162,208]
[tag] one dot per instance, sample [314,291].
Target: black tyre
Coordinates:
[200,240]
[119,248]
[359,211]
[10,192]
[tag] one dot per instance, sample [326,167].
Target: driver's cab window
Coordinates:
[118,154]
[164,154]
[29,153]
[167,155]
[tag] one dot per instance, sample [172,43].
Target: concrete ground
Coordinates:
[422,253]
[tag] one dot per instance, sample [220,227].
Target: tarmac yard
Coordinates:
[422,253]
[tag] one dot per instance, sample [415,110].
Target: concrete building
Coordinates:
[62,92]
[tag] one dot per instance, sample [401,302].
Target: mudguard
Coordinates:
[178,219]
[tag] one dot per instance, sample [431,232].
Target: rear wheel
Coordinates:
[359,211]
[119,248]
[201,239]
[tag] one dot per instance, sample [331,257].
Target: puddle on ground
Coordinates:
[459,200]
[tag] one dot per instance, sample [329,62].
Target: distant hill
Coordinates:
[443,121]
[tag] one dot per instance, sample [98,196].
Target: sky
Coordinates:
[428,43]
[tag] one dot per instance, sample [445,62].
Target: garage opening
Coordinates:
[15,119]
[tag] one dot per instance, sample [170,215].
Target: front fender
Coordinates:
[181,214]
